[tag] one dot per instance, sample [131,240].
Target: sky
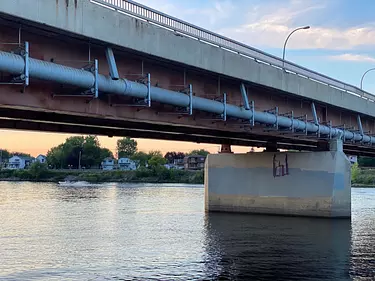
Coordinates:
[340,44]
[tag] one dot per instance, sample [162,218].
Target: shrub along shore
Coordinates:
[145,175]
[362,177]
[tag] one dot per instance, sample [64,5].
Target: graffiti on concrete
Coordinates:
[280,168]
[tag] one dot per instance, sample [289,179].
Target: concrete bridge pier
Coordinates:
[314,184]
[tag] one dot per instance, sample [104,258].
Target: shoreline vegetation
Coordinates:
[362,177]
[81,158]
[142,175]
[159,174]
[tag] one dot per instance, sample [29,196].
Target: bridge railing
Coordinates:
[161,19]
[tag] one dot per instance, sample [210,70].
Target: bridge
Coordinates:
[119,68]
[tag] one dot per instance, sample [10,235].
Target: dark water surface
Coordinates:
[161,232]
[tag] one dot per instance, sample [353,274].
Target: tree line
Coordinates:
[86,151]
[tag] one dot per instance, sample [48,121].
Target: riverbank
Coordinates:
[363,177]
[156,175]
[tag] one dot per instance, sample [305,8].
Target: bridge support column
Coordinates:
[282,183]
[226,148]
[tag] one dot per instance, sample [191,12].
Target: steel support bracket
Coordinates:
[148,100]
[190,99]
[93,92]
[95,89]
[22,79]
[360,127]
[252,109]
[189,92]
[304,119]
[315,118]
[274,111]
[224,115]
[244,96]
[330,129]
[188,110]
[26,57]
[289,115]
[111,63]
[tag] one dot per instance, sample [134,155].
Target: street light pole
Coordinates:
[286,41]
[363,76]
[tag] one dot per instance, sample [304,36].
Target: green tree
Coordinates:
[202,152]
[68,153]
[157,161]
[104,153]
[355,172]
[4,156]
[22,154]
[126,147]
[37,170]
[91,152]
[152,153]
[140,157]
[72,148]
[55,157]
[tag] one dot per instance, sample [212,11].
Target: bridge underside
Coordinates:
[16,119]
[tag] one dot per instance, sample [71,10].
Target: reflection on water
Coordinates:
[249,247]
[160,232]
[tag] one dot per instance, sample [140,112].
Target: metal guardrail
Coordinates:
[153,16]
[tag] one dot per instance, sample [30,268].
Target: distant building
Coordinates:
[194,162]
[178,163]
[19,162]
[169,166]
[126,164]
[353,159]
[108,164]
[41,158]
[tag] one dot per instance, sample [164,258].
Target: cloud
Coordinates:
[273,35]
[270,29]
[218,11]
[352,57]
[165,6]
[268,23]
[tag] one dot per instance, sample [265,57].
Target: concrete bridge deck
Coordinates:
[62,31]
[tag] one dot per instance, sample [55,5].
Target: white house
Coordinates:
[19,162]
[108,164]
[41,158]
[353,159]
[126,164]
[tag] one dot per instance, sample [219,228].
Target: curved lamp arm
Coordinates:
[286,40]
[363,76]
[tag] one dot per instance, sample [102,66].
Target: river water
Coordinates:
[161,232]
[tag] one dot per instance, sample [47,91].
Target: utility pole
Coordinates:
[79,159]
